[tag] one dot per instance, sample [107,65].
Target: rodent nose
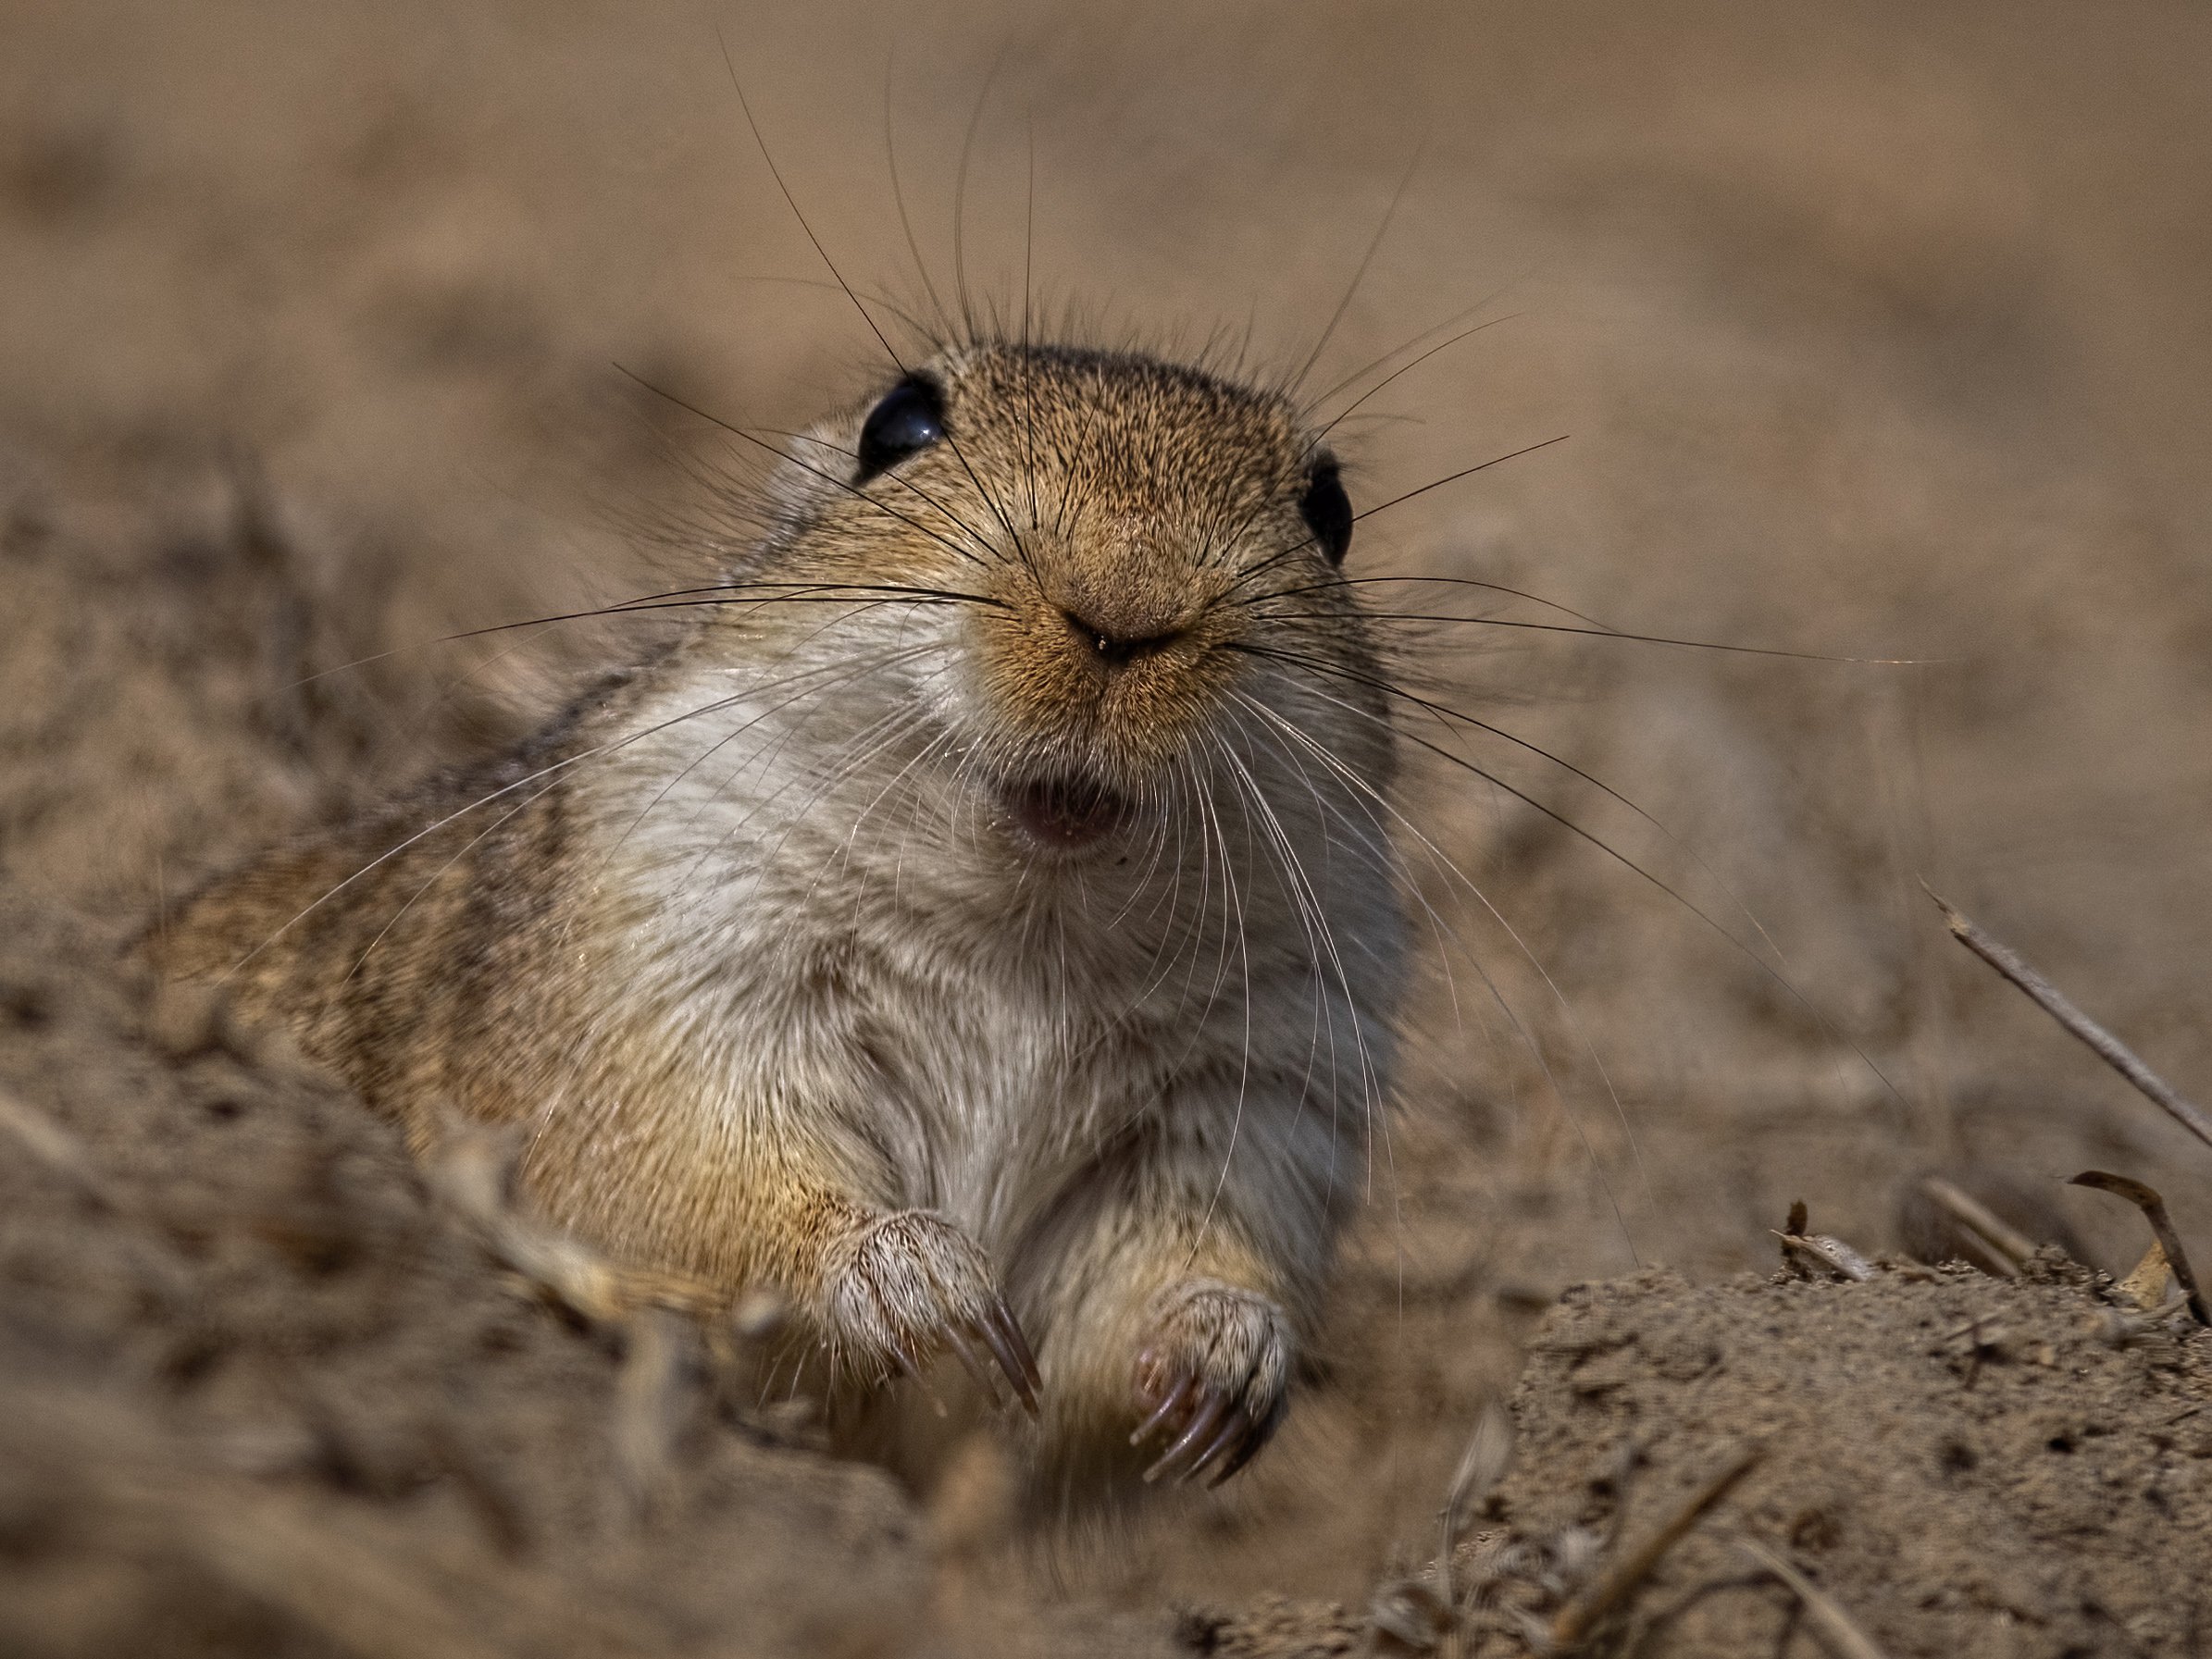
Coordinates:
[1117,649]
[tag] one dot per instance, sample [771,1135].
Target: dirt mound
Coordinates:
[259,1395]
[1965,1466]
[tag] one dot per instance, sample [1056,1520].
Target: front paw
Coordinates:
[909,1283]
[1214,1377]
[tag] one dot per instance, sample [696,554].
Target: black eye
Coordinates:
[910,418]
[1327,510]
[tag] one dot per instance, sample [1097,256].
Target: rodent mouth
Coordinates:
[1065,813]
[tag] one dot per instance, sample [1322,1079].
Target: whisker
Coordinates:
[874,297]
[898,777]
[1314,918]
[482,800]
[1359,275]
[471,846]
[672,599]
[504,818]
[1280,554]
[1337,579]
[1453,321]
[1314,666]
[1339,417]
[1371,1100]
[1604,633]
[1028,367]
[960,188]
[1245,1048]
[825,779]
[1451,715]
[792,202]
[890,156]
[1465,472]
[1321,941]
[844,673]
[892,478]
[1498,995]
[850,488]
[959,273]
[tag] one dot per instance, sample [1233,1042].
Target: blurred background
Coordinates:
[1881,332]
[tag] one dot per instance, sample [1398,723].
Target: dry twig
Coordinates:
[2007,1246]
[1488,1454]
[472,1170]
[2146,1199]
[61,1153]
[649,1402]
[58,1149]
[1593,1605]
[2052,1001]
[1839,1634]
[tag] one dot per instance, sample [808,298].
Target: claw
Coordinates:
[1031,1381]
[904,1363]
[1233,1429]
[977,1366]
[1211,1410]
[1147,1373]
[1161,1413]
[1004,1339]
[1261,1433]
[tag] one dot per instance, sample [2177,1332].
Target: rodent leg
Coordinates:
[1173,1296]
[1214,1375]
[908,1283]
[881,1290]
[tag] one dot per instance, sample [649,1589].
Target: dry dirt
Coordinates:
[1882,332]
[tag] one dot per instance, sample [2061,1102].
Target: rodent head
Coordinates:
[1146,559]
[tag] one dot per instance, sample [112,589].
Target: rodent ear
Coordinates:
[1327,510]
[910,418]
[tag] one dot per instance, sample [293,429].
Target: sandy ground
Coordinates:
[1880,334]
